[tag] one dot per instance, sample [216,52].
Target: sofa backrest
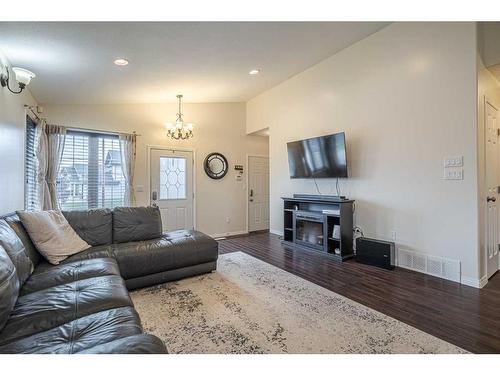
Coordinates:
[9,286]
[94,226]
[16,251]
[136,224]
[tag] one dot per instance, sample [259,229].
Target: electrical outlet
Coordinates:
[228,220]
[393,235]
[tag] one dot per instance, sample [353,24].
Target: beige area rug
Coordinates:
[249,306]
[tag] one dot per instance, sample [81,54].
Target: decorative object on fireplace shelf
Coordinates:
[336,232]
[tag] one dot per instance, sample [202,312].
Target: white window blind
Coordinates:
[31,187]
[90,175]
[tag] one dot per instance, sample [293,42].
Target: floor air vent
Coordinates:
[441,267]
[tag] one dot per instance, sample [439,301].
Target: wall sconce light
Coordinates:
[23,78]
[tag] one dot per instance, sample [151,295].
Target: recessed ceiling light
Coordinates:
[254,72]
[121,62]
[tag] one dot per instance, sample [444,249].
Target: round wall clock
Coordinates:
[215,165]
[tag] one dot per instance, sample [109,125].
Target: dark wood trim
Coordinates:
[465,316]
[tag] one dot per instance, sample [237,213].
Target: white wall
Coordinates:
[12,134]
[406,98]
[220,127]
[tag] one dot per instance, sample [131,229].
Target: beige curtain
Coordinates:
[49,150]
[56,136]
[42,165]
[127,153]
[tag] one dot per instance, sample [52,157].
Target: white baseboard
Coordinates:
[475,283]
[228,234]
[276,232]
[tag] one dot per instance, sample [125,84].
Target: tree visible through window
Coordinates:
[90,175]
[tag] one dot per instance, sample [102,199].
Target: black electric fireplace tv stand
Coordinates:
[319,222]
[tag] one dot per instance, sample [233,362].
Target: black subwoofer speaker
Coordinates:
[375,252]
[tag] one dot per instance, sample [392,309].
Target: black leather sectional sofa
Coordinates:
[82,305]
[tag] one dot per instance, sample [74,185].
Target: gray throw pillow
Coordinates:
[52,235]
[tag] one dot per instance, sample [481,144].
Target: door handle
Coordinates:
[251,192]
[491,199]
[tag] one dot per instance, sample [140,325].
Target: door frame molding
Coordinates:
[247,187]
[170,148]
[483,194]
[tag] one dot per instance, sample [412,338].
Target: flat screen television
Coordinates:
[320,157]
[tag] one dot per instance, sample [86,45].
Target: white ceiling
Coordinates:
[205,61]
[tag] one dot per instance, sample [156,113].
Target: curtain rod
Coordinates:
[32,109]
[100,131]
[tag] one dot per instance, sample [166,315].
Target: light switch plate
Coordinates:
[456,161]
[454,174]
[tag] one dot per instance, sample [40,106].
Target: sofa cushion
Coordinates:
[18,227]
[49,308]
[170,275]
[15,248]
[94,252]
[94,226]
[80,334]
[138,344]
[9,286]
[172,250]
[46,275]
[52,235]
[136,224]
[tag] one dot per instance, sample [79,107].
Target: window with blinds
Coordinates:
[90,174]
[31,186]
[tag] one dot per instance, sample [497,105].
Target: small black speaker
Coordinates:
[375,252]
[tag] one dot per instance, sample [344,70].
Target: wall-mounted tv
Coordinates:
[320,157]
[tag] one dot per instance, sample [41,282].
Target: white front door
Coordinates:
[258,193]
[492,165]
[172,187]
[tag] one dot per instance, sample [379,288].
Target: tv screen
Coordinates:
[320,157]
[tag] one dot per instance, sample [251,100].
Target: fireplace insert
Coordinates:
[309,229]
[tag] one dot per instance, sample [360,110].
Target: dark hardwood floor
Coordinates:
[465,316]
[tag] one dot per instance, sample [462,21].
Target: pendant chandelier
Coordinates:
[180,129]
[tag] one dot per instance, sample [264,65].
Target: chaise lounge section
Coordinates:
[82,305]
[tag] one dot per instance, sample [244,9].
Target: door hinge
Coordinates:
[498,132]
